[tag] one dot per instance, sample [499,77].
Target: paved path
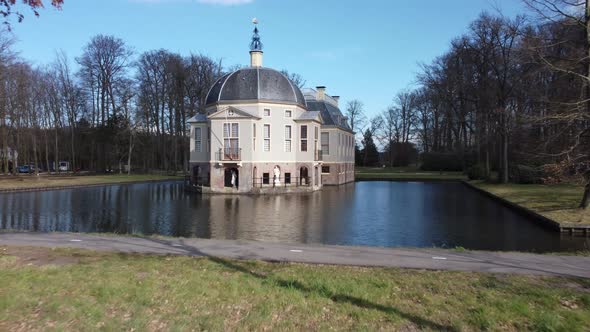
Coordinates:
[435,259]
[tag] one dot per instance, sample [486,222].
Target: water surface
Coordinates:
[389,214]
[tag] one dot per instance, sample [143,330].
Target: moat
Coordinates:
[386,214]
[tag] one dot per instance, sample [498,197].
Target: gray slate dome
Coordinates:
[255,83]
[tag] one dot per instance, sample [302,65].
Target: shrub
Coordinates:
[403,154]
[476,172]
[435,161]
[524,174]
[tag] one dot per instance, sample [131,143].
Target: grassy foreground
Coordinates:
[43,181]
[45,289]
[558,202]
[404,173]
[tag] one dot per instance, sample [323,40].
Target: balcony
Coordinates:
[318,155]
[229,154]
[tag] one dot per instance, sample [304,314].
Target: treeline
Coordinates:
[511,97]
[118,110]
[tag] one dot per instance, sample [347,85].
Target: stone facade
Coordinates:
[258,124]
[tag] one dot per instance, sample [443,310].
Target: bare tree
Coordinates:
[104,65]
[7,9]
[297,79]
[356,114]
[573,115]
[7,57]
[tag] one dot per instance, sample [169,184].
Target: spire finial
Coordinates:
[255,44]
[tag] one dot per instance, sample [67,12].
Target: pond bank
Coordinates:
[24,183]
[551,205]
[430,259]
[405,174]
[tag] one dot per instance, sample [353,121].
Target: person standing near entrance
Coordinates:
[233,178]
[277,176]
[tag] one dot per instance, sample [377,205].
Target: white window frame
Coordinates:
[289,138]
[230,136]
[264,112]
[199,139]
[265,139]
[327,151]
[301,138]
[290,112]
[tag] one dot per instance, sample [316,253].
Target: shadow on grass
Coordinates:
[321,291]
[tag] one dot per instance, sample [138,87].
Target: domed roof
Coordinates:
[255,83]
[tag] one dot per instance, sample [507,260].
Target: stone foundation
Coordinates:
[340,173]
[250,177]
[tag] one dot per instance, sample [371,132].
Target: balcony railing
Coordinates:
[284,182]
[229,154]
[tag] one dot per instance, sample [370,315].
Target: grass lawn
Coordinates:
[45,289]
[32,181]
[557,202]
[402,173]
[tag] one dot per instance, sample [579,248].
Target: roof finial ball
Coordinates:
[255,47]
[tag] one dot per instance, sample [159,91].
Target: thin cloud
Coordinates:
[322,54]
[207,2]
[226,2]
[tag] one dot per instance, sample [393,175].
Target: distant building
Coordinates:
[261,133]
[10,155]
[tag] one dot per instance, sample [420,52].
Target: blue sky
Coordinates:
[366,50]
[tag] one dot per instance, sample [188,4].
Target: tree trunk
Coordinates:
[504,158]
[129,153]
[73,158]
[35,159]
[56,155]
[586,198]
[47,152]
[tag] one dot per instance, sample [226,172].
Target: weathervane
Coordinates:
[256,44]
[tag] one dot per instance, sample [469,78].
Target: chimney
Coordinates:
[256,58]
[321,92]
[336,99]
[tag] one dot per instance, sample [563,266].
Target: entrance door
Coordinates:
[315,176]
[303,176]
[231,177]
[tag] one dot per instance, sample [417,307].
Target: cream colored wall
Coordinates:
[277,122]
[204,155]
[339,153]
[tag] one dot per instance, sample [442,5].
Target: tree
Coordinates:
[7,57]
[6,9]
[297,79]
[355,114]
[369,151]
[574,115]
[103,67]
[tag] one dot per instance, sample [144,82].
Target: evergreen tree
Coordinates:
[369,152]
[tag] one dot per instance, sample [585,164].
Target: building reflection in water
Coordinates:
[300,218]
[365,213]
